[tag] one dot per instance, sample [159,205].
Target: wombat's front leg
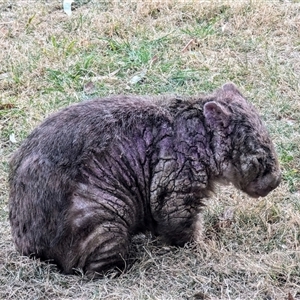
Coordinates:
[177,218]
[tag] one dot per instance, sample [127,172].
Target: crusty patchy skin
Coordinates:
[96,173]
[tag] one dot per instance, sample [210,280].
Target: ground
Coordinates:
[249,248]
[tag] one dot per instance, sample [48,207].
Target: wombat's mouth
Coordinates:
[258,193]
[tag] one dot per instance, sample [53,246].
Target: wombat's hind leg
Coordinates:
[101,230]
[110,256]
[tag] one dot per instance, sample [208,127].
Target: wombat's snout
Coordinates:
[264,185]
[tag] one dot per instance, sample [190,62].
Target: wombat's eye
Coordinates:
[266,172]
[262,166]
[260,161]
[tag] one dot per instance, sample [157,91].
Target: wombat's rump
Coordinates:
[96,173]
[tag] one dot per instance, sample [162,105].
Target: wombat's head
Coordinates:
[247,157]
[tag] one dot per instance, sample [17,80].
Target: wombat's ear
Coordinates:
[216,114]
[229,89]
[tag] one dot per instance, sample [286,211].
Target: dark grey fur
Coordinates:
[96,173]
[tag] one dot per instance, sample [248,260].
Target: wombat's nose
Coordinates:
[263,186]
[276,182]
[273,183]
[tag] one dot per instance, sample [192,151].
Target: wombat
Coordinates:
[96,173]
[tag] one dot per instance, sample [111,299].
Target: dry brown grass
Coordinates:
[249,249]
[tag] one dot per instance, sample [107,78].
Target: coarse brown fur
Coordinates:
[96,173]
